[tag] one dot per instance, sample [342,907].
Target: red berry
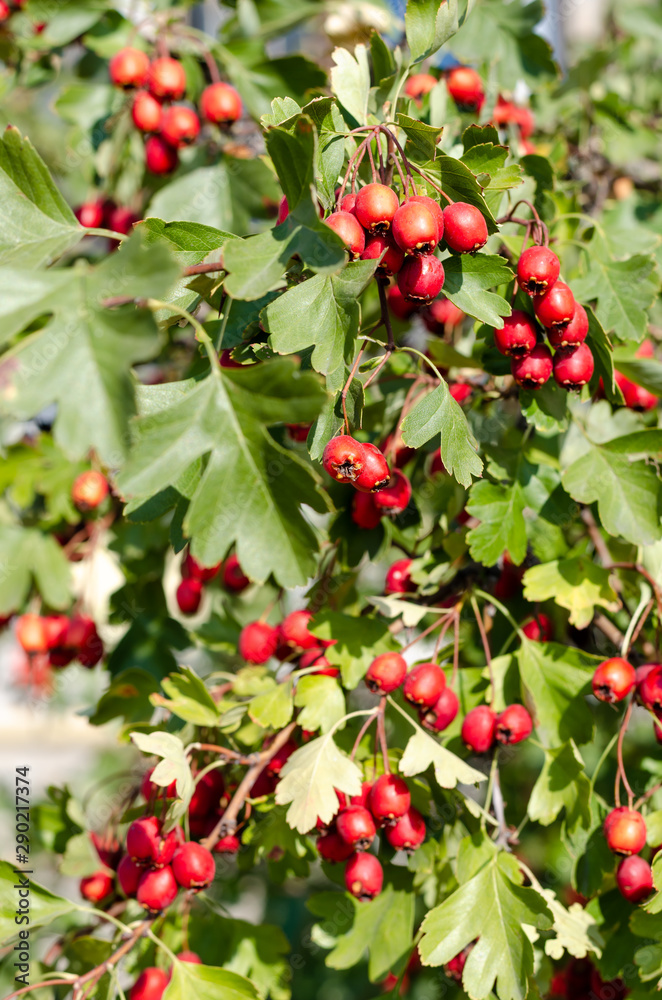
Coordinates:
[537,270]
[573,366]
[283,211]
[466,88]
[146,112]
[395,496]
[343,458]
[408,833]
[192,568]
[107,847]
[389,798]
[423,684]
[539,629]
[128,68]
[613,679]
[362,798]
[348,204]
[208,793]
[375,473]
[96,887]
[364,876]
[233,576]
[129,874]
[635,396]
[189,956]
[167,79]
[193,866]
[649,690]
[460,391]
[478,728]
[375,207]
[189,595]
[440,715]
[513,725]
[419,84]
[435,210]
[142,839]
[421,278]
[89,490]
[298,432]
[180,126]
[157,889]
[534,369]
[349,231]
[90,214]
[356,826]
[556,307]
[280,758]
[518,335]
[415,228]
[398,578]
[625,831]
[31,633]
[333,848]
[634,878]
[294,630]
[122,220]
[386,673]
[365,512]
[393,259]
[465,229]
[160,157]
[455,967]
[442,315]
[150,984]
[257,642]
[572,334]
[230,844]
[221,104]
[401,307]
[315,658]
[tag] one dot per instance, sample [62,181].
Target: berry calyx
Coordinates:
[556,307]
[537,270]
[233,576]
[129,874]
[383,243]
[166,79]
[513,725]
[398,578]
[193,866]
[180,126]
[386,673]
[625,831]
[442,314]
[634,878]
[419,84]
[128,68]
[613,680]
[343,458]
[466,88]
[408,833]
[220,104]
[356,827]
[96,887]
[257,642]
[160,156]
[375,207]
[365,512]
[150,984]
[89,490]
[294,630]
[423,684]
[395,496]
[421,278]
[478,728]
[189,595]
[333,848]
[364,876]
[573,366]
[533,370]
[439,716]
[465,229]
[574,333]
[518,335]
[389,798]
[157,889]
[375,473]
[345,225]
[146,112]
[415,228]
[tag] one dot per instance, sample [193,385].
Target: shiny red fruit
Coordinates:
[466,88]
[435,210]
[150,984]
[383,243]
[439,716]
[537,270]
[233,576]
[573,366]
[408,832]
[108,848]
[556,307]
[180,126]
[283,210]
[634,878]
[465,229]
[441,315]
[220,104]
[455,967]
[142,839]
[157,889]
[572,334]
[189,956]
[280,758]
[401,307]
[478,728]
[350,232]
[364,876]
[192,568]
[649,690]
[294,630]
[395,496]
[625,831]
[122,219]
[129,874]
[518,335]
[257,642]
[386,673]
[534,369]
[398,578]
[375,473]
[513,725]
[389,798]
[356,827]
[460,391]
[421,278]
[415,228]
[343,458]
[96,887]
[90,214]
[635,396]
[160,157]
[166,79]
[613,680]
[149,790]
[333,848]
[189,595]
[146,112]
[298,432]
[423,684]
[419,84]
[129,68]
[365,512]
[193,866]
[375,207]
[539,629]
[90,489]
[229,844]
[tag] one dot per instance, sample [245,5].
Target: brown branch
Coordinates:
[203,268]
[239,758]
[599,543]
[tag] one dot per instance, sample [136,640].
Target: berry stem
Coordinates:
[362,731]
[386,320]
[430,628]
[224,751]
[375,175]
[348,383]
[381,732]
[486,647]
[359,152]
[620,773]
[456,647]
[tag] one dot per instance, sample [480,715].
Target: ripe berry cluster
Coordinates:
[290,640]
[60,638]
[194,575]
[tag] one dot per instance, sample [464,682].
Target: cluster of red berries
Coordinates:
[170,126]
[580,980]
[208,803]
[384,803]
[152,981]
[291,639]
[89,490]
[635,396]
[60,638]
[104,213]
[194,575]
[565,322]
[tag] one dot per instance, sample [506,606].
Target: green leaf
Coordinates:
[310,779]
[28,556]
[423,138]
[174,764]
[555,678]
[460,184]
[546,408]
[499,508]
[127,697]
[255,951]
[45,906]
[350,82]
[602,352]
[321,701]
[330,151]
[206,982]
[38,224]
[293,154]
[188,698]
[359,641]
[422,751]
[562,784]
[282,109]
[274,708]
[439,414]
[575,583]
[245,494]
[646,372]
[493,909]
[429,24]
[467,281]
[189,242]
[575,928]
[503,37]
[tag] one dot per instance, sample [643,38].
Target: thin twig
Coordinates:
[620,773]
[486,647]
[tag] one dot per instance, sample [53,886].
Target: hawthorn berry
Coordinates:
[634,878]
[395,496]
[383,243]
[160,156]
[398,578]
[478,729]
[513,725]
[90,489]
[193,866]
[166,79]
[460,391]
[257,642]
[518,335]
[439,716]
[539,629]
[455,967]
[435,210]
[229,844]
[533,370]
[613,680]
[375,206]
[280,758]
[572,334]
[294,630]
[344,458]
[555,307]
[465,229]
[298,432]
[220,104]
[207,794]
[649,690]
[128,68]
[419,84]
[466,88]
[283,210]
[142,839]
[415,228]
[157,889]
[386,673]
[408,832]
[233,576]
[146,112]
[421,278]
[625,831]
[122,220]
[423,684]
[333,848]
[375,473]
[441,315]
[350,232]
[389,798]
[538,268]
[315,658]
[180,126]
[150,984]
[192,568]
[364,876]
[96,887]
[90,214]
[129,874]
[401,307]
[189,595]
[189,956]
[365,512]
[356,826]
[635,396]
[573,366]
[506,112]
[643,671]
[108,848]
[31,633]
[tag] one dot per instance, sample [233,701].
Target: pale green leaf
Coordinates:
[309,781]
